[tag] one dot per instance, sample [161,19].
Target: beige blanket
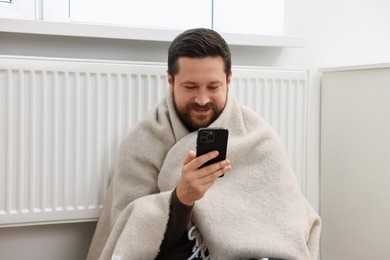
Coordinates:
[256,210]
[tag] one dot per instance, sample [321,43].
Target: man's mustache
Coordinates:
[199,107]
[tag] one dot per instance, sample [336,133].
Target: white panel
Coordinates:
[61,122]
[355,163]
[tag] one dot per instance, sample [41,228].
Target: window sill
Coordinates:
[134,33]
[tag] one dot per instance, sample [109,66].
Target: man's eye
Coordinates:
[214,87]
[190,86]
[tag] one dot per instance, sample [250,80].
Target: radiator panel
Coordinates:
[61,122]
[280,97]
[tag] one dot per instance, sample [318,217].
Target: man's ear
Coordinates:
[170,81]
[228,79]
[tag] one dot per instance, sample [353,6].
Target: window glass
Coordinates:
[249,16]
[225,16]
[17,9]
[177,14]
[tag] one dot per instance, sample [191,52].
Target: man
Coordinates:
[162,205]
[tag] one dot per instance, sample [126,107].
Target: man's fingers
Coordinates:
[199,161]
[190,156]
[216,166]
[215,170]
[195,182]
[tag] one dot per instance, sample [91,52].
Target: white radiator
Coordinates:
[62,120]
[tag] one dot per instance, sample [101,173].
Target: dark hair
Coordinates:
[198,43]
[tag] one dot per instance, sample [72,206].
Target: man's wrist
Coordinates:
[181,199]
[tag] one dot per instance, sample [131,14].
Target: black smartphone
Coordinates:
[212,139]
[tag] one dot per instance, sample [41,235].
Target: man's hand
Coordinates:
[195,182]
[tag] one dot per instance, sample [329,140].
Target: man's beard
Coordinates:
[185,115]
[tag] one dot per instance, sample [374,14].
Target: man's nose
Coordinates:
[202,98]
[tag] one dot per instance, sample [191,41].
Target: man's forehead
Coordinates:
[203,65]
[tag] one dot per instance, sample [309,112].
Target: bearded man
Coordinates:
[161,204]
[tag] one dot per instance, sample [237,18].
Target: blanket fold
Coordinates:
[256,210]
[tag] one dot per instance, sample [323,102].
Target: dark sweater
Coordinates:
[176,244]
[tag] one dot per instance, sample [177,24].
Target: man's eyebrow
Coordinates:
[215,82]
[188,82]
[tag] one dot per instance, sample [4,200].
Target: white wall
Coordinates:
[348,32]
[337,33]
[48,242]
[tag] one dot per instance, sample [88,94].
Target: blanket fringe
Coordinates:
[199,249]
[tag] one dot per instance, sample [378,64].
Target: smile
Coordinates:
[202,111]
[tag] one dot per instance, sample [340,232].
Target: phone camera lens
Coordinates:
[204,134]
[207,137]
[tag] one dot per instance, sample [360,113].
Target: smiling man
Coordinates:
[161,204]
[199,90]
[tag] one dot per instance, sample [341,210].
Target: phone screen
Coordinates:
[211,139]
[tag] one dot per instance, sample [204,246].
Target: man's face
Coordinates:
[199,90]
